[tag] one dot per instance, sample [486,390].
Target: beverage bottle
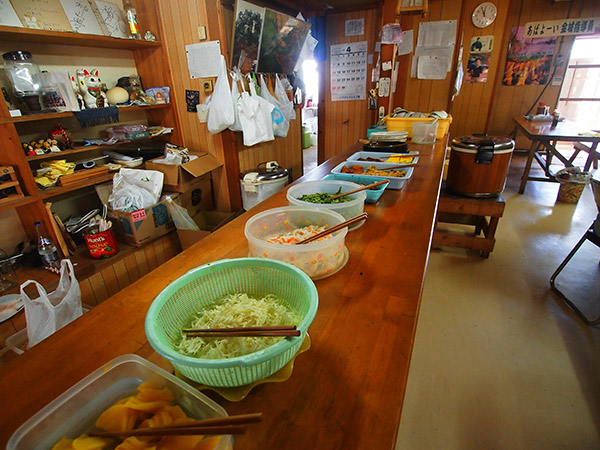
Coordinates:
[131,15]
[46,248]
[555,118]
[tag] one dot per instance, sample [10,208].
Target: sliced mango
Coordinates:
[63,444]
[179,442]
[149,407]
[117,418]
[133,443]
[85,442]
[147,392]
[208,443]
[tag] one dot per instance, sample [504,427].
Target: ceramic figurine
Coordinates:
[77,93]
[89,86]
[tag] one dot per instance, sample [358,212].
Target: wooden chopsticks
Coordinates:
[400,167]
[281,330]
[216,426]
[335,228]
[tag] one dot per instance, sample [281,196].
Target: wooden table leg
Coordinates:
[591,158]
[532,150]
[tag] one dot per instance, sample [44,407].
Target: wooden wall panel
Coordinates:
[511,101]
[287,152]
[345,121]
[106,282]
[180,22]
[426,95]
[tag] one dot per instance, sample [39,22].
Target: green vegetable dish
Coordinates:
[325,198]
[237,310]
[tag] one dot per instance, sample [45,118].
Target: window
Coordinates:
[580,93]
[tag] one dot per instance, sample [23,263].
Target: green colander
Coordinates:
[174,307]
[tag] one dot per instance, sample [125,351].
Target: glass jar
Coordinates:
[24,75]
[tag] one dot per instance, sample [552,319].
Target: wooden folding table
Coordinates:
[544,137]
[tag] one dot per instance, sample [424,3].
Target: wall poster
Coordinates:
[528,61]
[348,67]
[246,36]
[281,42]
[478,62]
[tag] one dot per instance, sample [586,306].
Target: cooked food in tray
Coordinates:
[372,170]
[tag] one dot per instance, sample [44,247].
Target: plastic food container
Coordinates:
[406,124]
[75,411]
[318,259]
[347,209]
[424,132]
[373,195]
[174,307]
[395,182]
[383,156]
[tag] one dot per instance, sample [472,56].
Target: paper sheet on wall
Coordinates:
[431,68]
[406,46]
[81,16]
[204,59]
[8,16]
[441,52]
[113,18]
[395,77]
[437,34]
[348,71]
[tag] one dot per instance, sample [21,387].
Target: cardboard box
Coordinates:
[208,221]
[181,178]
[199,196]
[138,227]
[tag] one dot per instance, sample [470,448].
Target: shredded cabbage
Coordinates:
[237,310]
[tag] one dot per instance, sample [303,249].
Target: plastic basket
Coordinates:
[174,307]
[406,123]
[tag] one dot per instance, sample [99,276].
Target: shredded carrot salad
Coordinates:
[298,235]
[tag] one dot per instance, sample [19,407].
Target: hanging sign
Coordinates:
[563,27]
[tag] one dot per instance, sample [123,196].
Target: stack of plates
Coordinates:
[389,136]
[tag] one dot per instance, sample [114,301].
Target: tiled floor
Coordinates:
[309,159]
[499,362]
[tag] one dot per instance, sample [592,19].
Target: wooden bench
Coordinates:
[593,155]
[484,214]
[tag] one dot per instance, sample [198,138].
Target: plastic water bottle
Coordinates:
[46,249]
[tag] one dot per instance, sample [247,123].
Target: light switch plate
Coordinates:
[202,33]
[207,86]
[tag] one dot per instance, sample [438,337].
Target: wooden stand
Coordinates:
[473,212]
[9,185]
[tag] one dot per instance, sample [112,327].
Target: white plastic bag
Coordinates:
[235,95]
[135,189]
[180,216]
[50,312]
[287,106]
[254,126]
[280,123]
[220,108]
[265,108]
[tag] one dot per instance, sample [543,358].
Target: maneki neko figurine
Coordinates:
[90,88]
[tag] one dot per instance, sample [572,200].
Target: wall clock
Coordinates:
[484,15]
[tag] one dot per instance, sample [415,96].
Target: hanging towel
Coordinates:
[97,116]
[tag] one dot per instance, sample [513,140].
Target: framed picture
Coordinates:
[281,42]
[246,36]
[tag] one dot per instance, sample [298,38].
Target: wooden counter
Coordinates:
[345,392]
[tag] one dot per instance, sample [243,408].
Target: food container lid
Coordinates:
[475,141]
[18,55]
[271,171]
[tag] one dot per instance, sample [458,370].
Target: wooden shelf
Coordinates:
[58,190]
[17,202]
[71,38]
[58,115]
[87,148]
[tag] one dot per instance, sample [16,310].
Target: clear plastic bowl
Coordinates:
[317,259]
[347,209]
[75,411]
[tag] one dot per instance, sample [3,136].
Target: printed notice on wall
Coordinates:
[348,71]
[355,27]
